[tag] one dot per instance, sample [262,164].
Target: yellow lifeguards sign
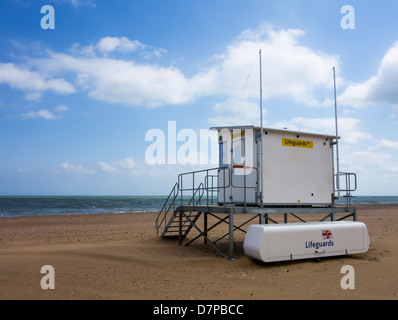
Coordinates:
[297,143]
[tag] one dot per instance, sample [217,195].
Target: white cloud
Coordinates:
[125,82]
[376,162]
[34,96]
[379,89]
[61,108]
[78,3]
[234,111]
[35,83]
[348,128]
[141,168]
[107,167]
[117,166]
[289,69]
[108,45]
[387,145]
[76,169]
[45,114]
[123,44]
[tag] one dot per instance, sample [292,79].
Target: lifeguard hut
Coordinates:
[279,168]
[262,172]
[278,172]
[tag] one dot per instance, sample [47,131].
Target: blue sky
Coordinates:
[77,101]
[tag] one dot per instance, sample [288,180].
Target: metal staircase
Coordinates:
[172,219]
[173,226]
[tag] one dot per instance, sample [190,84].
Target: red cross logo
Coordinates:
[327,234]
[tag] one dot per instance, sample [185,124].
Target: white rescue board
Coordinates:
[292,241]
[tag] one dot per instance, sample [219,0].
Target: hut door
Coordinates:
[244,175]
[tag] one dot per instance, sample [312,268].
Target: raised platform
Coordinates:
[186,217]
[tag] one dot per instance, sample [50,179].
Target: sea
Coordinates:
[15,206]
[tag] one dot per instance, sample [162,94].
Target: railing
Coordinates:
[216,180]
[167,208]
[245,187]
[350,185]
[173,195]
[190,182]
[202,188]
[211,188]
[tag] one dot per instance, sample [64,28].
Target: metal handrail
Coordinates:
[348,176]
[209,186]
[348,189]
[199,188]
[244,187]
[211,189]
[206,188]
[175,192]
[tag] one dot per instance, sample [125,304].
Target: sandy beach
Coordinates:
[119,257]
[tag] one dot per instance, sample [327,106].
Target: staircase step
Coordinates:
[173,225]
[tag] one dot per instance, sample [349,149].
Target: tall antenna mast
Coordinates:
[261,121]
[337,136]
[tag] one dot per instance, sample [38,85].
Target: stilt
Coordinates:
[231,235]
[205,228]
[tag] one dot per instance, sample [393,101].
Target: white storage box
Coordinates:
[291,241]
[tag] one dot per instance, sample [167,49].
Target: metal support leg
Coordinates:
[180,228]
[231,235]
[202,234]
[205,228]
